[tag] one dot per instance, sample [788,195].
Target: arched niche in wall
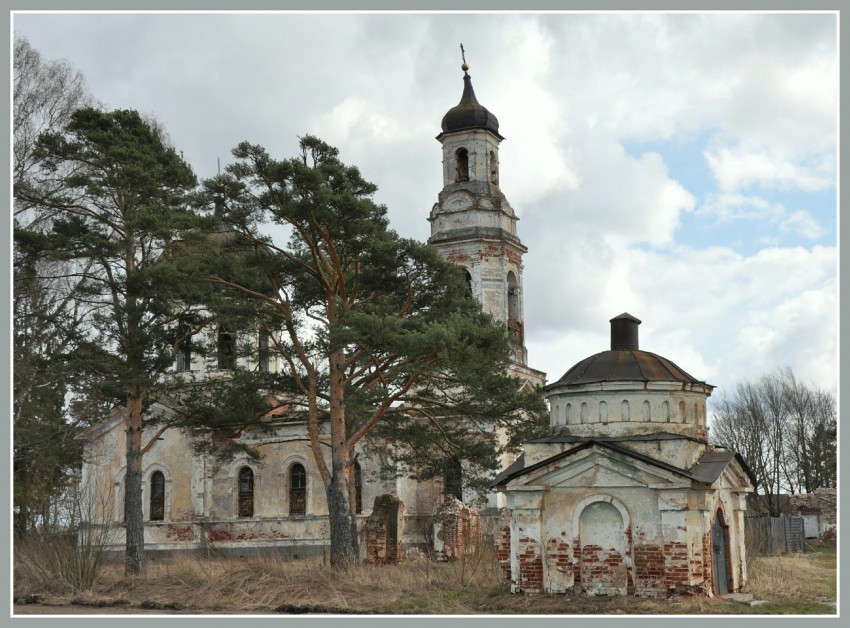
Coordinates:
[601,522]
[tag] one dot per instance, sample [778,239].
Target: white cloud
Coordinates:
[737,168]
[729,207]
[755,92]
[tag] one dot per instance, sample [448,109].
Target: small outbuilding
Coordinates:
[625,496]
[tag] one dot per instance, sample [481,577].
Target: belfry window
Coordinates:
[297,490]
[157,503]
[494,169]
[462,157]
[246,492]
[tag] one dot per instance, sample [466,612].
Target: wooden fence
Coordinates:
[766,535]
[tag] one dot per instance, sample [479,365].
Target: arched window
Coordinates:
[462,157]
[157,496]
[226,349]
[568,414]
[583,412]
[358,488]
[625,410]
[665,412]
[468,283]
[683,412]
[647,411]
[246,492]
[603,411]
[297,490]
[494,169]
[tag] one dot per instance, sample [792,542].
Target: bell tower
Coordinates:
[472,223]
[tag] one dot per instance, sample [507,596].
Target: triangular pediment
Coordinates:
[598,467]
[733,477]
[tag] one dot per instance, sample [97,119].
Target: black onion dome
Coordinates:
[624,365]
[469,113]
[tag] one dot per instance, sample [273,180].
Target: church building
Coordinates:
[192,500]
[624,496]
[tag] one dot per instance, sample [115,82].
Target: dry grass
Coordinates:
[268,585]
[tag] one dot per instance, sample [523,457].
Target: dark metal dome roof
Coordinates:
[625,361]
[469,113]
[624,365]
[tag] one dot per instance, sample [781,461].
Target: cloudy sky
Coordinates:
[679,167]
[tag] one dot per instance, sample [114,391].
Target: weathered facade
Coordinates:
[625,496]
[193,501]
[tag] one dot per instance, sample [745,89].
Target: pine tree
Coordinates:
[114,192]
[380,336]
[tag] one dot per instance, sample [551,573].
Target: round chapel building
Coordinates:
[625,496]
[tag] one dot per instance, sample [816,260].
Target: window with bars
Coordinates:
[246,492]
[297,490]
[157,503]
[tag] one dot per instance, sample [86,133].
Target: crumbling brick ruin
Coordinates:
[383,531]
[457,530]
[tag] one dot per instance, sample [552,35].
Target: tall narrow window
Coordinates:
[184,349]
[226,349]
[453,479]
[157,496]
[494,169]
[468,283]
[246,492]
[263,350]
[462,156]
[358,488]
[515,328]
[297,490]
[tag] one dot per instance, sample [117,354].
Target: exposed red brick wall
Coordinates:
[458,528]
[677,567]
[602,571]
[649,571]
[503,547]
[383,531]
[530,577]
[560,555]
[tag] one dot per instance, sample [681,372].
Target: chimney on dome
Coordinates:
[624,332]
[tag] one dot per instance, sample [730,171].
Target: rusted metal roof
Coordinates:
[706,470]
[712,463]
[469,113]
[624,365]
[519,469]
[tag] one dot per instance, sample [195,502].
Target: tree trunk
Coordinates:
[343,525]
[134,558]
